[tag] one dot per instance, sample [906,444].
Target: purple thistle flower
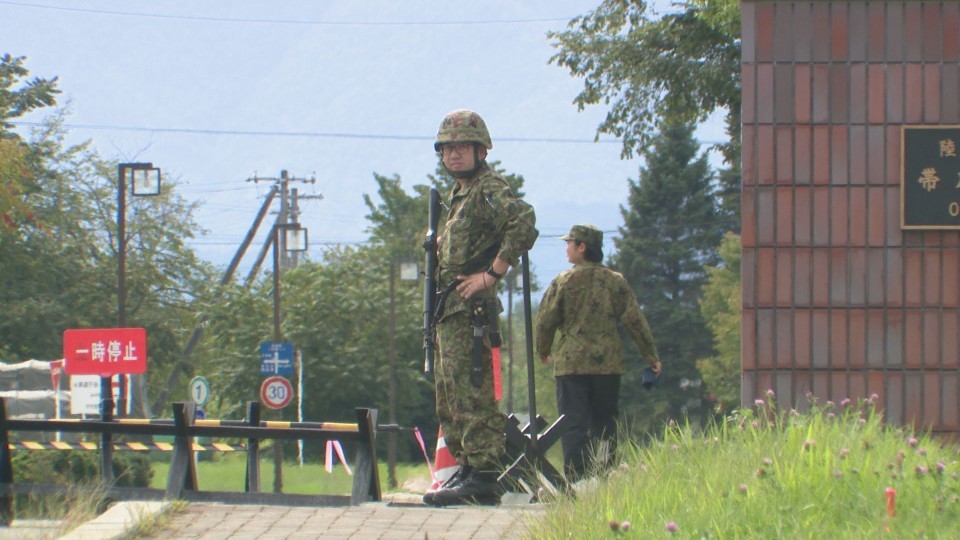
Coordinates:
[743,489]
[767,461]
[625,526]
[922,451]
[941,467]
[845,402]
[614,525]
[758,402]
[843,453]
[770,393]
[672,527]
[912,442]
[921,470]
[837,474]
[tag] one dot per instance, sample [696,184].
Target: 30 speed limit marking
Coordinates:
[276,392]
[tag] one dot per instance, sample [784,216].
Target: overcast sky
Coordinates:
[218,91]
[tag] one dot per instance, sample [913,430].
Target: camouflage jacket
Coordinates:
[485,221]
[585,304]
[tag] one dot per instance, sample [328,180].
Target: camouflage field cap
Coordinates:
[587,234]
[463,125]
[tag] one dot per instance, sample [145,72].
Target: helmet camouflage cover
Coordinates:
[462,125]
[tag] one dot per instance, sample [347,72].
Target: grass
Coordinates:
[769,473]
[71,507]
[147,525]
[228,472]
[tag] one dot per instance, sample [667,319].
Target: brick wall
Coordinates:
[837,299]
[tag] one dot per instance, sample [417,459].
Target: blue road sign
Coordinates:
[276,358]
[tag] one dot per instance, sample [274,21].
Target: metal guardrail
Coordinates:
[182,481]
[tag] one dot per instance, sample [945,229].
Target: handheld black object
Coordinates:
[650,378]
[430,280]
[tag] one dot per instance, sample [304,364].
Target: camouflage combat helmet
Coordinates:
[462,125]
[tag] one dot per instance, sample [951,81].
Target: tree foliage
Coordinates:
[721,309]
[677,68]
[651,71]
[668,237]
[58,268]
[64,274]
[18,97]
[336,312]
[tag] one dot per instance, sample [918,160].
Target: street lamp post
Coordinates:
[145,182]
[408,272]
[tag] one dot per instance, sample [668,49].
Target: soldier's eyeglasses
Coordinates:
[460,148]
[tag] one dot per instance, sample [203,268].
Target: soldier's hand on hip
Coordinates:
[474,283]
[545,360]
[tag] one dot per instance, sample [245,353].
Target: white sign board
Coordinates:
[85,394]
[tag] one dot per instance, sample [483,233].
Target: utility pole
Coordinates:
[289,213]
[282,259]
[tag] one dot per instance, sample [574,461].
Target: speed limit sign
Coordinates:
[276,392]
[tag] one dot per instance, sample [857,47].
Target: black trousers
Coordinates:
[590,404]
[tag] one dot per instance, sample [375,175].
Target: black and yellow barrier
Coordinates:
[129,446]
[184,428]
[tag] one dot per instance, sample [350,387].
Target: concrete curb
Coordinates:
[117,520]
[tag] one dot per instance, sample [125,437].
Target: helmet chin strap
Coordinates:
[477,164]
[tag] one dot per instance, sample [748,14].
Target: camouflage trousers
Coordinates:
[471,420]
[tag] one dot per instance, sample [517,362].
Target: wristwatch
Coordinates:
[494,273]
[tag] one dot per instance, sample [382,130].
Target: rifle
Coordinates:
[430,281]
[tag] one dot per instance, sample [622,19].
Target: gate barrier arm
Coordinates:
[182,480]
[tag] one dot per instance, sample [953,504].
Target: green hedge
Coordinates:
[79,466]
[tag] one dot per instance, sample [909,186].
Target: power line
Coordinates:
[285,21]
[309,134]
[317,134]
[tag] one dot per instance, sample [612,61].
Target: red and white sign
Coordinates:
[276,392]
[56,368]
[105,351]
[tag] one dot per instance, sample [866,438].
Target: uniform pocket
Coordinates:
[456,244]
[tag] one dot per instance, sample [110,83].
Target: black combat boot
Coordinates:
[458,477]
[479,487]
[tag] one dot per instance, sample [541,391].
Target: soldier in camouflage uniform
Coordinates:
[487,230]
[585,304]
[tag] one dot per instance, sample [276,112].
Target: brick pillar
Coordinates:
[838,301]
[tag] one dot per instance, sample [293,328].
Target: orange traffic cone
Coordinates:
[444,466]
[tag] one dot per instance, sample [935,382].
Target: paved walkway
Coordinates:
[402,517]
[385,520]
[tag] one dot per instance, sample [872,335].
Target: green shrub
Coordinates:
[69,467]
